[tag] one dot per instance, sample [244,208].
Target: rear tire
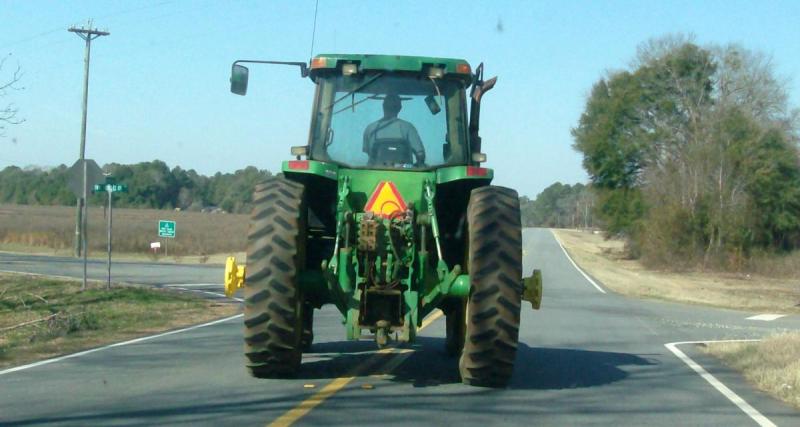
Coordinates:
[495,269]
[273,310]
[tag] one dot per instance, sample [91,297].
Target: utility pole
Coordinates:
[110,191]
[87,34]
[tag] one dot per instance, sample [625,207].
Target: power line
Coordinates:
[33,37]
[314,31]
[110,15]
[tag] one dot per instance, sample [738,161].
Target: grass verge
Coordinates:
[772,365]
[605,260]
[42,318]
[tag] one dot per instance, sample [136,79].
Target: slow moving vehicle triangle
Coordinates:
[386,200]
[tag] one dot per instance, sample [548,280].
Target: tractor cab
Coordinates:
[371,113]
[389,112]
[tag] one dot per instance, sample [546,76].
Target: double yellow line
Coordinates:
[291,416]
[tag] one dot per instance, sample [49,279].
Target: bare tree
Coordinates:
[8,112]
[746,79]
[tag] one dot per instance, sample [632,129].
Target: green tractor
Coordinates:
[387,214]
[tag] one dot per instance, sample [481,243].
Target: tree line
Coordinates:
[150,185]
[692,154]
[559,206]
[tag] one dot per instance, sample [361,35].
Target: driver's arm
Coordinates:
[367,133]
[416,144]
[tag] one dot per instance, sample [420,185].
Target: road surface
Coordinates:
[586,358]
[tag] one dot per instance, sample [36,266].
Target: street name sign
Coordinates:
[111,188]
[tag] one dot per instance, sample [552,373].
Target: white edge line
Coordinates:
[54,276]
[194,285]
[220,295]
[70,278]
[119,344]
[768,317]
[753,413]
[586,276]
[216,294]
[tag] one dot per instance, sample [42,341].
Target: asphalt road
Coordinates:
[586,358]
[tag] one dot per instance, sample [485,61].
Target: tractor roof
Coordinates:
[453,67]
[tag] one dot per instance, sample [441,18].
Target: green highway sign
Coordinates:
[111,188]
[166,228]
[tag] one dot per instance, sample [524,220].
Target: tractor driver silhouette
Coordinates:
[390,140]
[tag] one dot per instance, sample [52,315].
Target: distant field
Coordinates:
[51,229]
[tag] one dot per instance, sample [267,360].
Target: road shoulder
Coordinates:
[604,260]
[43,317]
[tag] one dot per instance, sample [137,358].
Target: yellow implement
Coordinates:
[532,290]
[234,276]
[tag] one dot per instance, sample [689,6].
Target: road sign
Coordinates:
[166,228]
[112,188]
[94,175]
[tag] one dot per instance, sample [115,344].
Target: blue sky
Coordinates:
[159,82]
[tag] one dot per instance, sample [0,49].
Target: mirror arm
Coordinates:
[479,88]
[303,66]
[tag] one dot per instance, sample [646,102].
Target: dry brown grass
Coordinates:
[80,320]
[605,260]
[784,265]
[772,365]
[201,237]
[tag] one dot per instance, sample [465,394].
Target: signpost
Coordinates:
[110,187]
[82,175]
[166,228]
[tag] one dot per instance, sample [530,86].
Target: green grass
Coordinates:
[68,320]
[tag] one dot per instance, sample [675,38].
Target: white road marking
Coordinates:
[119,344]
[216,294]
[758,417]
[766,317]
[194,285]
[220,295]
[71,278]
[182,287]
[586,276]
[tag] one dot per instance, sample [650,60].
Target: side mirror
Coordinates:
[482,88]
[239,75]
[433,106]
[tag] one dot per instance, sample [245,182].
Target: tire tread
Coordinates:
[495,267]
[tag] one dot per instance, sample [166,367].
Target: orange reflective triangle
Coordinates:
[386,200]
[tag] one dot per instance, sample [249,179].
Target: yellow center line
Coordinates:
[293,415]
[435,314]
